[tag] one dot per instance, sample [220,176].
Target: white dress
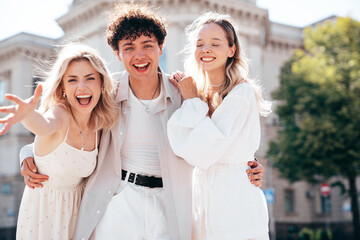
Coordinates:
[50,212]
[220,147]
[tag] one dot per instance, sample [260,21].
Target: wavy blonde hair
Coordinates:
[236,66]
[105,112]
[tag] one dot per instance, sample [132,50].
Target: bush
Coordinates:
[321,234]
[306,234]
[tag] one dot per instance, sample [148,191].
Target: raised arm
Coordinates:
[41,125]
[20,111]
[24,112]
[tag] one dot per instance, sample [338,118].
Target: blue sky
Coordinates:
[38,16]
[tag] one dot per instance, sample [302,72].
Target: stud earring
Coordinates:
[64,94]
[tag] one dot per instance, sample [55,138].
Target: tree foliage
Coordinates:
[319,105]
[319,109]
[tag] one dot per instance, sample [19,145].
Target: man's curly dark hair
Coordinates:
[131,21]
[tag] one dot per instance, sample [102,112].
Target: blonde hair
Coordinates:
[105,112]
[236,66]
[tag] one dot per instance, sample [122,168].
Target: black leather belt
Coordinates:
[142,180]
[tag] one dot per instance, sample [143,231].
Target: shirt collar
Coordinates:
[123,86]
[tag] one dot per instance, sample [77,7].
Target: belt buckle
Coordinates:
[132,177]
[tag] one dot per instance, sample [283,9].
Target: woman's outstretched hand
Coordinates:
[16,113]
[186,85]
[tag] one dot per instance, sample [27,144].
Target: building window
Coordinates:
[325,204]
[6,188]
[289,201]
[10,213]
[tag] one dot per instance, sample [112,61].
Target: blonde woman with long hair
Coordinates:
[217,130]
[77,103]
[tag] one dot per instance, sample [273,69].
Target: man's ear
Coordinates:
[118,55]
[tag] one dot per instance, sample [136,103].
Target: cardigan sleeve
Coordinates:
[203,141]
[25,152]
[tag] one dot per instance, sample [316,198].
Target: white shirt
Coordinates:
[139,152]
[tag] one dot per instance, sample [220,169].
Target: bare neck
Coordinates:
[215,80]
[145,90]
[83,120]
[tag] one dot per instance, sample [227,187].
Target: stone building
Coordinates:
[267,44]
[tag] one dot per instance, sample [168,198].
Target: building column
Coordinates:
[174,43]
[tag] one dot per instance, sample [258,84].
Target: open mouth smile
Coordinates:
[84,100]
[207,59]
[141,67]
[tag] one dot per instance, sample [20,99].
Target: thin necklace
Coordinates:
[81,133]
[216,85]
[147,109]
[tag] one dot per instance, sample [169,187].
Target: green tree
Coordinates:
[319,109]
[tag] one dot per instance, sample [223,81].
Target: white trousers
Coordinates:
[135,213]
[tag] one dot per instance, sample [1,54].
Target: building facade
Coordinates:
[267,44]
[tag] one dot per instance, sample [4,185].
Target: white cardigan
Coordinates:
[220,147]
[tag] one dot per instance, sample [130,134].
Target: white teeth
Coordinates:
[83,96]
[141,65]
[207,59]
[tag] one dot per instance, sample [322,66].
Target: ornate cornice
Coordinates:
[285,38]
[83,12]
[283,44]
[26,45]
